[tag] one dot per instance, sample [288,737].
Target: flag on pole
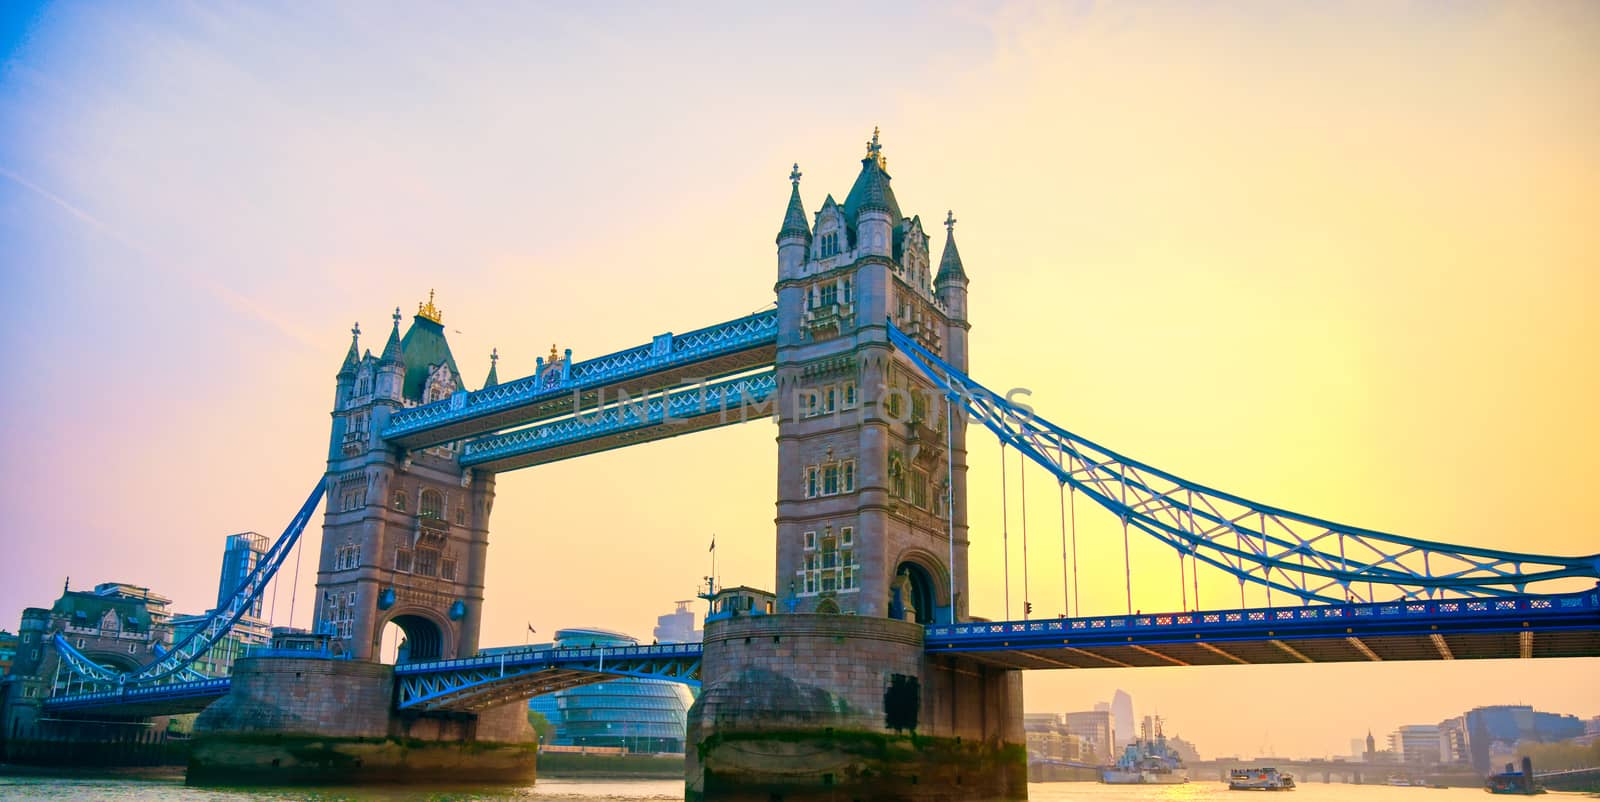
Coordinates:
[713,543]
[531,629]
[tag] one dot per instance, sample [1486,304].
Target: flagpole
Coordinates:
[713,563]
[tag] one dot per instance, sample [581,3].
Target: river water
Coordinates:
[597,790]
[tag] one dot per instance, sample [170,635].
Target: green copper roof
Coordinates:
[871,191]
[423,347]
[86,609]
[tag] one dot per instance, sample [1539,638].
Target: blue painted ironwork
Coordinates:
[172,664]
[476,682]
[683,349]
[167,694]
[1310,558]
[729,398]
[1524,613]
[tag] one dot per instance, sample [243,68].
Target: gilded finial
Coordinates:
[794,175]
[950,221]
[875,150]
[554,355]
[430,311]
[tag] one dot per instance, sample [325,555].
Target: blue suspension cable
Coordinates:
[1077,585]
[1005,528]
[1127,559]
[1066,587]
[1183,590]
[1022,470]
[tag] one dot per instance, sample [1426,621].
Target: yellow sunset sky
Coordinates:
[1341,258]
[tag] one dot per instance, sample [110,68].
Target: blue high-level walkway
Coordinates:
[669,360]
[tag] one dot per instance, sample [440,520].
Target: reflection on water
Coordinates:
[597,790]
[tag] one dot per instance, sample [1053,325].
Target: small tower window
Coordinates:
[400,500]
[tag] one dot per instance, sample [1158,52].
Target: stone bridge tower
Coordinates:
[816,701]
[864,472]
[406,533]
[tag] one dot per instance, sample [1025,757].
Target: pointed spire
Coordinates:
[494,377]
[871,189]
[794,220]
[352,358]
[391,349]
[950,263]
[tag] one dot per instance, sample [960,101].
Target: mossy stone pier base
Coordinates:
[306,720]
[824,707]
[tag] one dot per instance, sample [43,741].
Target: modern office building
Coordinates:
[239,557]
[1122,718]
[1497,729]
[678,626]
[1417,744]
[640,715]
[1095,728]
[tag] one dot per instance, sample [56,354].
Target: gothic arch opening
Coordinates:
[411,638]
[922,590]
[828,607]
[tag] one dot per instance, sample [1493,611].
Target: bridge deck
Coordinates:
[1457,629]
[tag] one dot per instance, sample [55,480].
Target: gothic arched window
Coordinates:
[431,505]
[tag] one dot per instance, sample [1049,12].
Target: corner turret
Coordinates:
[493,378]
[951,282]
[795,235]
[871,206]
[391,365]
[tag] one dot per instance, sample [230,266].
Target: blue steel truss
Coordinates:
[1309,558]
[171,665]
[1479,616]
[673,351]
[475,683]
[162,698]
[732,399]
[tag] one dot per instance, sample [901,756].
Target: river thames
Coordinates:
[171,789]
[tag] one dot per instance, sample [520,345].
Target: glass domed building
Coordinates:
[640,715]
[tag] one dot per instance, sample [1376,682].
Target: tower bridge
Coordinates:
[864,364]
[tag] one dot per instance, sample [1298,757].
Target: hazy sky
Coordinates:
[1342,258]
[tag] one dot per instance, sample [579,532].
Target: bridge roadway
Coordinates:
[1526,627]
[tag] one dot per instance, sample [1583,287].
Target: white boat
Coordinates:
[1262,779]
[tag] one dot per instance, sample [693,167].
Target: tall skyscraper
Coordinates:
[678,626]
[1122,718]
[239,557]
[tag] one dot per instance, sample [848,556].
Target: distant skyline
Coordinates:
[1175,727]
[1340,258]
